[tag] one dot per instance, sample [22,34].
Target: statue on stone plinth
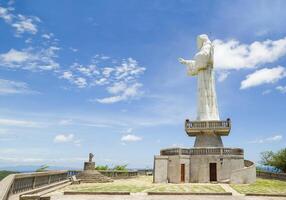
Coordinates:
[202,66]
[90,157]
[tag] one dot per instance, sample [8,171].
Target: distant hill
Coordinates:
[33,168]
[5,173]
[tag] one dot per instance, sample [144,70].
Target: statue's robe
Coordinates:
[207,101]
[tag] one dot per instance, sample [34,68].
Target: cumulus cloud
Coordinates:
[234,55]
[63,138]
[126,92]
[263,76]
[25,24]
[275,138]
[67,138]
[21,23]
[281,89]
[8,87]
[47,35]
[30,59]
[120,81]
[130,138]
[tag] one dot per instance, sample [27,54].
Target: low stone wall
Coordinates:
[114,174]
[5,186]
[244,175]
[271,175]
[118,174]
[17,183]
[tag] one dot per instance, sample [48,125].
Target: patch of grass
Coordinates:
[264,186]
[143,184]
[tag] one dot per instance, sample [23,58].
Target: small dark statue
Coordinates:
[90,157]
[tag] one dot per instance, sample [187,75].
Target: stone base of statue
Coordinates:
[203,165]
[90,175]
[89,166]
[208,161]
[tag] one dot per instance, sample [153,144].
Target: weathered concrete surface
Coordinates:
[208,140]
[244,175]
[160,169]
[197,169]
[158,197]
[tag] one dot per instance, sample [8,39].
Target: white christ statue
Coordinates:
[202,66]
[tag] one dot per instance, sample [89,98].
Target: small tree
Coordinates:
[42,168]
[120,168]
[277,160]
[101,167]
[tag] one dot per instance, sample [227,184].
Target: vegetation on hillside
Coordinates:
[5,173]
[277,159]
[115,168]
[102,167]
[42,168]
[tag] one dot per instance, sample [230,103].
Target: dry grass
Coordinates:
[262,186]
[144,184]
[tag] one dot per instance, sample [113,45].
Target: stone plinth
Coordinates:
[89,166]
[90,175]
[203,165]
[93,176]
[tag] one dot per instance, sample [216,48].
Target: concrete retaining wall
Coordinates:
[244,175]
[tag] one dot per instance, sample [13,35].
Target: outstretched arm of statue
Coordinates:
[186,62]
[191,66]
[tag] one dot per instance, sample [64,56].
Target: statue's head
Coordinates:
[201,39]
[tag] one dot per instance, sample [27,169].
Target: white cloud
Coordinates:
[120,81]
[14,56]
[80,82]
[21,23]
[275,138]
[265,92]
[47,35]
[117,88]
[13,87]
[64,138]
[281,89]
[65,122]
[30,59]
[263,76]
[6,15]
[67,138]
[67,75]
[222,75]
[234,55]
[130,138]
[18,123]
[129,92]
[25,24]
[73,49]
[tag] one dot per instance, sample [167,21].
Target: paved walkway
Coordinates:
[158,197]
[227,188]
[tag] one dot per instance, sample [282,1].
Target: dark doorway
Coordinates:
[213,172]
[182,173]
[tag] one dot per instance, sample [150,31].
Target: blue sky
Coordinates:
[103,77]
